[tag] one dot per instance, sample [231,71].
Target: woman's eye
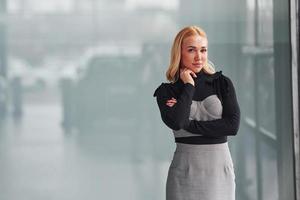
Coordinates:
[190,50]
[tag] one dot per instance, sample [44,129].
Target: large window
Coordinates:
[77,115]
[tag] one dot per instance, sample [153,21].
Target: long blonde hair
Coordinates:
[172,73]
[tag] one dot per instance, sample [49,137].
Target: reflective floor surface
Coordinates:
[39,161]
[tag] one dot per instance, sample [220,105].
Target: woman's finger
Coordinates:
[172,100]
[193,74]
[170,105]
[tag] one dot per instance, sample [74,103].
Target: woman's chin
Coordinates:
[197,69]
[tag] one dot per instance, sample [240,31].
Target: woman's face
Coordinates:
[194,53]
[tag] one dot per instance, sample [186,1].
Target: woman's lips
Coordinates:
[197,64]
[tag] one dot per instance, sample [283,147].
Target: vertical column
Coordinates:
[294,16]
[283,99]
[258,144]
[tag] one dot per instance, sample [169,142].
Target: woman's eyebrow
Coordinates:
[191,47]
[204,47]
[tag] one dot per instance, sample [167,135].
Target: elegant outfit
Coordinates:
[201,120]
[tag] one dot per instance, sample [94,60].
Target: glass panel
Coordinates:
[265,22]
[247,100]
[247,189]
[269,170]
[266,94]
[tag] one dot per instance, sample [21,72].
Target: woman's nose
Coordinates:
[197,56]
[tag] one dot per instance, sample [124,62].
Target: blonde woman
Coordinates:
[201,108]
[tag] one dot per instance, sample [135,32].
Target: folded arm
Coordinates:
[228,124]
[177,115]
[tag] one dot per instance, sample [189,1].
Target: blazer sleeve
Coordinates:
[177,116]
[230,121]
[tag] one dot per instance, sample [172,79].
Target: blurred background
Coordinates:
[77,115]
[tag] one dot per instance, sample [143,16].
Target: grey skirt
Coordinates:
[201,172]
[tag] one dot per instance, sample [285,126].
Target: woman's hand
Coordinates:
[186,76]
[171,102]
